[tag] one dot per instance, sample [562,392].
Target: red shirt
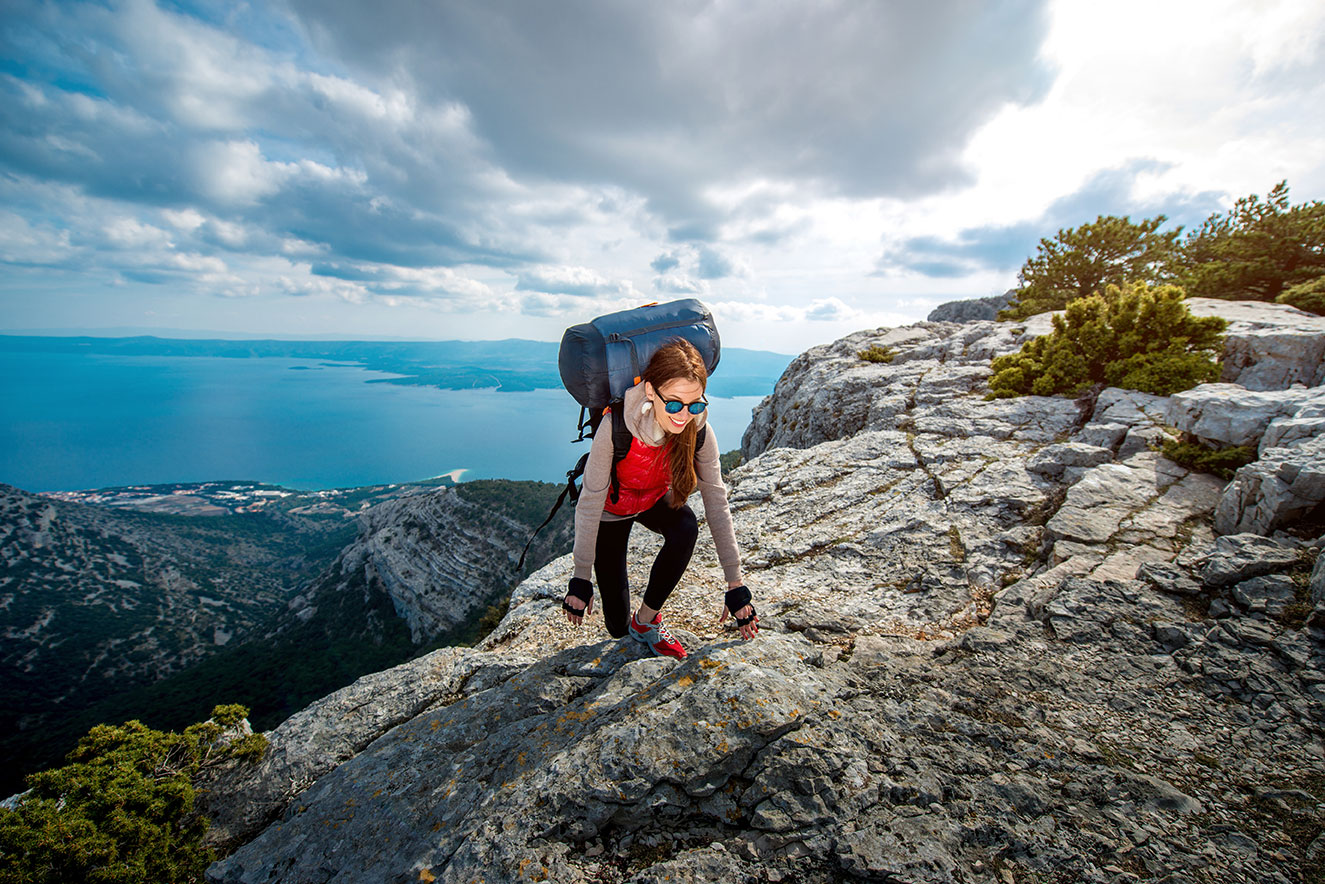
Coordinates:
[645,474]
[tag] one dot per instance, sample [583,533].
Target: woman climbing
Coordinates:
[664,414]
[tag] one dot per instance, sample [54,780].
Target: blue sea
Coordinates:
[81,421]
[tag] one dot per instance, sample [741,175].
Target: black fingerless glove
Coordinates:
[737,598]
[582,590]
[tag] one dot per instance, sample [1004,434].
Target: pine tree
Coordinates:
[1083,260]
[1255,250]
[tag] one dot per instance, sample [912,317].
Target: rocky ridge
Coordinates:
[438,556]
[92,598]
[1003,641]
[108,614]
[972,310]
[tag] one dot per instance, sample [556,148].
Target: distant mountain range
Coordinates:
[511,365]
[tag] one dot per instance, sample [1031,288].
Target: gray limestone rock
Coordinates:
[1130,408]
[1168,578]
[241,798]
[1272,492]
[1102,435]
[1221,415]
[1269,594]
[972,310]
[1052,460]
[1106,495]
[1141,439]
[699,866]
[1090,611]
[1268,346]
[1306,423]
[1318,581]
[1240,557]
[766,761]
[830,393]
[592,738]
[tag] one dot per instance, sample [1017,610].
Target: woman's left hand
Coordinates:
[749,630]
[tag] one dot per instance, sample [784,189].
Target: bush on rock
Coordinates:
[1221,462]
[121,811]
[1308,296]
[1135,337]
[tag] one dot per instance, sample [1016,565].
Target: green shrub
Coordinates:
[877,354]
[1136,337]
[1308,296]
[1222,462]
[121,810]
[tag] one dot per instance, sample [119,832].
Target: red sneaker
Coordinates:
[657,637]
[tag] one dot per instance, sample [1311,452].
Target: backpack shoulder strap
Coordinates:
[621,439]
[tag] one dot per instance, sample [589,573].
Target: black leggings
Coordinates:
[679,529]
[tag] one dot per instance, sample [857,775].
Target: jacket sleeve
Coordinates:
[708,470]
[593,496]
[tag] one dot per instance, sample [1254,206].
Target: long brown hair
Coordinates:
[678,358]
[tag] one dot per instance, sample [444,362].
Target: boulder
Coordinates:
[1222,415]
[1052,460]
[1270,593]
[1268,346]
[973,310]
[1307,422]
[1102,435]
[1169,578]
[1273,492]
[1238,557]
[1131,408]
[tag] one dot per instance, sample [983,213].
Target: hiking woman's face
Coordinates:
[681,389]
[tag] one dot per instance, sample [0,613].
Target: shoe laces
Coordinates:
[663,631]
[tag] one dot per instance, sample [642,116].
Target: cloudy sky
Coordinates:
[429,170]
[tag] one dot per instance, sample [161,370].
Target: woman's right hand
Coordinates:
[578,603]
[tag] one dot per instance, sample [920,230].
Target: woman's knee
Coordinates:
[685,529]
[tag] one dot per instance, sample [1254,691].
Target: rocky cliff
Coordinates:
[1003,641]
[109,614]
[95,602]
[442,556]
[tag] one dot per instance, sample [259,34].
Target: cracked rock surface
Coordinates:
[1000,641]
[1100,733]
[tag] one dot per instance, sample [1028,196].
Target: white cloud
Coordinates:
[581,281]
[830,310]
[23,243]
[234,173]
[800,167]
[184,219]
[678,284]
[130,233]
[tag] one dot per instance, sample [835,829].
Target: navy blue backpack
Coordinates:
[601,359]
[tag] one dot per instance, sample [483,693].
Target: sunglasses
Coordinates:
[674,406]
